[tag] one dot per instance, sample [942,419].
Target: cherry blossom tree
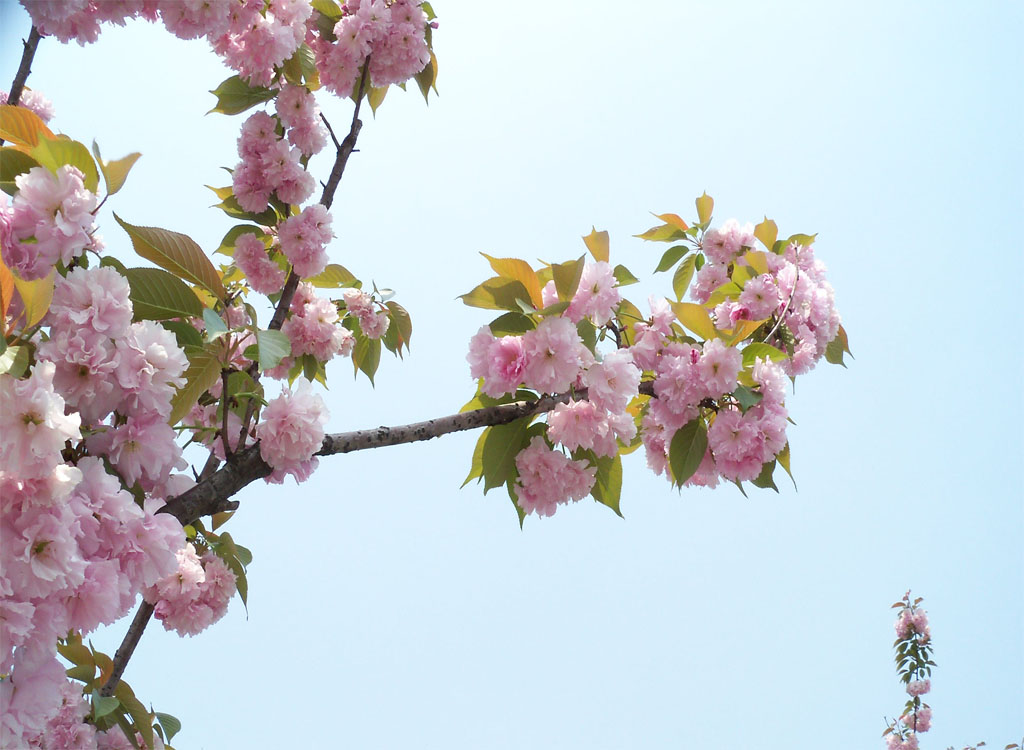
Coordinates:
[115,377]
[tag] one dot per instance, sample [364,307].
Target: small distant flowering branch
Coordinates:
[914,665]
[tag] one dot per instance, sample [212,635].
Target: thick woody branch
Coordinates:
[25,68]
[127,648]
[18,85]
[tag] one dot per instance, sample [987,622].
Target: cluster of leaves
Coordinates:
[93,668]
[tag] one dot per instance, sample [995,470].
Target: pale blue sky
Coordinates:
[389,609]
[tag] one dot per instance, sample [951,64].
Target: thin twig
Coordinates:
[224,412]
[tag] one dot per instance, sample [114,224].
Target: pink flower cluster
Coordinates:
[33,101]
[298,112]
[913,654]
[291,431]
[596,296]
[391,34]
[194,596]
[265,276]
[549,358]
[50,219]
[373,321]
[270,165]
[547,478]
[253,36]
[313,328]
[795,289]
[303,238]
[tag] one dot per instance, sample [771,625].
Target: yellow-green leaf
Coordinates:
[758,350]
[663,233]
[758,260]
[234,95]
[767,232]
[6,290]
[476,466]
[497,294]
[22,127]
[687,449]
[567,277]
[743,330]
[695,318]
[520,270]
[674,220]
[683,276]
[705,206]
[35,296]
[333,277]
[426,79]
[115,172]
[54,153]
[783,459]
[177,253]
[376,96]
[598,245]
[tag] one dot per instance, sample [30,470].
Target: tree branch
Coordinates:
[14,96]
[127,648]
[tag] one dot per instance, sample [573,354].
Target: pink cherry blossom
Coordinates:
[264,275]
[292,431]
[553,356]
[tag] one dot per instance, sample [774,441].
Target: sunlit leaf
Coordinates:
[567,277]
[333,277]
[751,352]
[671,257]
[598,245]
[22,127]
[500,450]
[624,276]
[767,232]
[674,220]
[235,95]
[13,162]
[520,270]
[401,322]
[607,488]
[273,347]
[476,465]
[758,260]
[705,206]
[54,153]
[683,276]
[35,297]
[14,361]
[695,318]
[114,172]
[511,324]
[497,294]
[662,233]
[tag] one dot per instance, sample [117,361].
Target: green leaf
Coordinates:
[628,316]
[567,277]
[511,324]
[202,373]
[476,464]
[36,296]
[366,355]
[705,206]
[588,334]
[500,449]
[497,294]
[57,152]
[836,347]
[14,361]
[426,79]
[170,724]
[783,459]
[215,325]
[177,253]
[607,488]
[804,240]
[333,277]
[229,205]
[764,480]
[510,485]
[746,397]
[142,719]
[115,172]
[102,705]
[624,276]
[227,245]
[402,322]
[765,351]
[671,257]
[185,333]
[300,67]
[376,96]
[687,450]
[234,96]
[158,295]
[13,162]
[273,347]
[683,276]
[598,245]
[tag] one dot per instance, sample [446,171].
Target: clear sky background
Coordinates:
[389,609]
